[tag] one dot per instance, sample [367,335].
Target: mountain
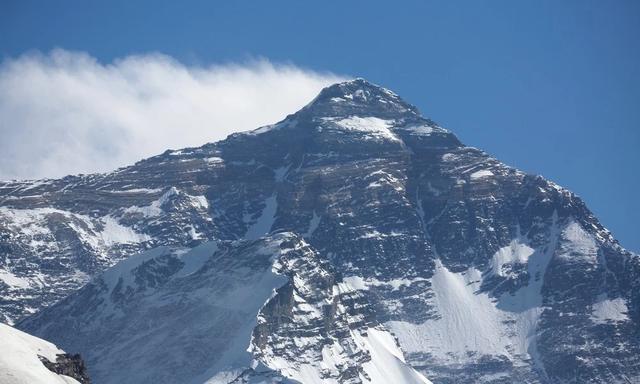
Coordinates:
[189,315]
[25,359]
[393,249]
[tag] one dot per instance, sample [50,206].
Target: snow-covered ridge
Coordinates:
[20,362]
[272,127]
[359,94]
[309,358]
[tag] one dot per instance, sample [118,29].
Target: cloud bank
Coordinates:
[66,113]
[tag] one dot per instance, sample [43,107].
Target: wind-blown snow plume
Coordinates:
[65,112]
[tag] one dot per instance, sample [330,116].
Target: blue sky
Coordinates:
[551,87]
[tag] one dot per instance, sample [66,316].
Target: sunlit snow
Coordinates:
[370,126]
[608,310]
[19,362]
[480,174]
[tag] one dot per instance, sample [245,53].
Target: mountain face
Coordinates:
[199,315]
[355,241]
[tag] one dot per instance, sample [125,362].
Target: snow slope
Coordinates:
[19,362]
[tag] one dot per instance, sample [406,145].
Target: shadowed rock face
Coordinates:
[482,273]
[70,365]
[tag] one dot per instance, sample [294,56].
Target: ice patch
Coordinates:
[354,283]
[420,130]
[449,157]
[272,127]
[385,178]
[424,130]
[115,233]
[359,283]
[514,253]
[480,174]
[155,208]
[13,281]
[137,190]
[151,210]
[194,234]
[372,126]
[377,235]
[199,202]
[434,191]
[313,224]
[609,310]
[263,225]
[281,172]
[582,246]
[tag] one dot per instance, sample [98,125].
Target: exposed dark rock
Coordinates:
[70,365]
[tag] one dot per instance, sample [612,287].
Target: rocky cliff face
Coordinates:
[480,272]
[70,365]
[249,311]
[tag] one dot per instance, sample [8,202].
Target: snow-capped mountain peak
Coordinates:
[374,226]
[359,97]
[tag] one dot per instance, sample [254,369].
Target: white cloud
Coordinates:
[66,113]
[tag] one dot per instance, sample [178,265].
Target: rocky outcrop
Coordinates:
[70,365]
